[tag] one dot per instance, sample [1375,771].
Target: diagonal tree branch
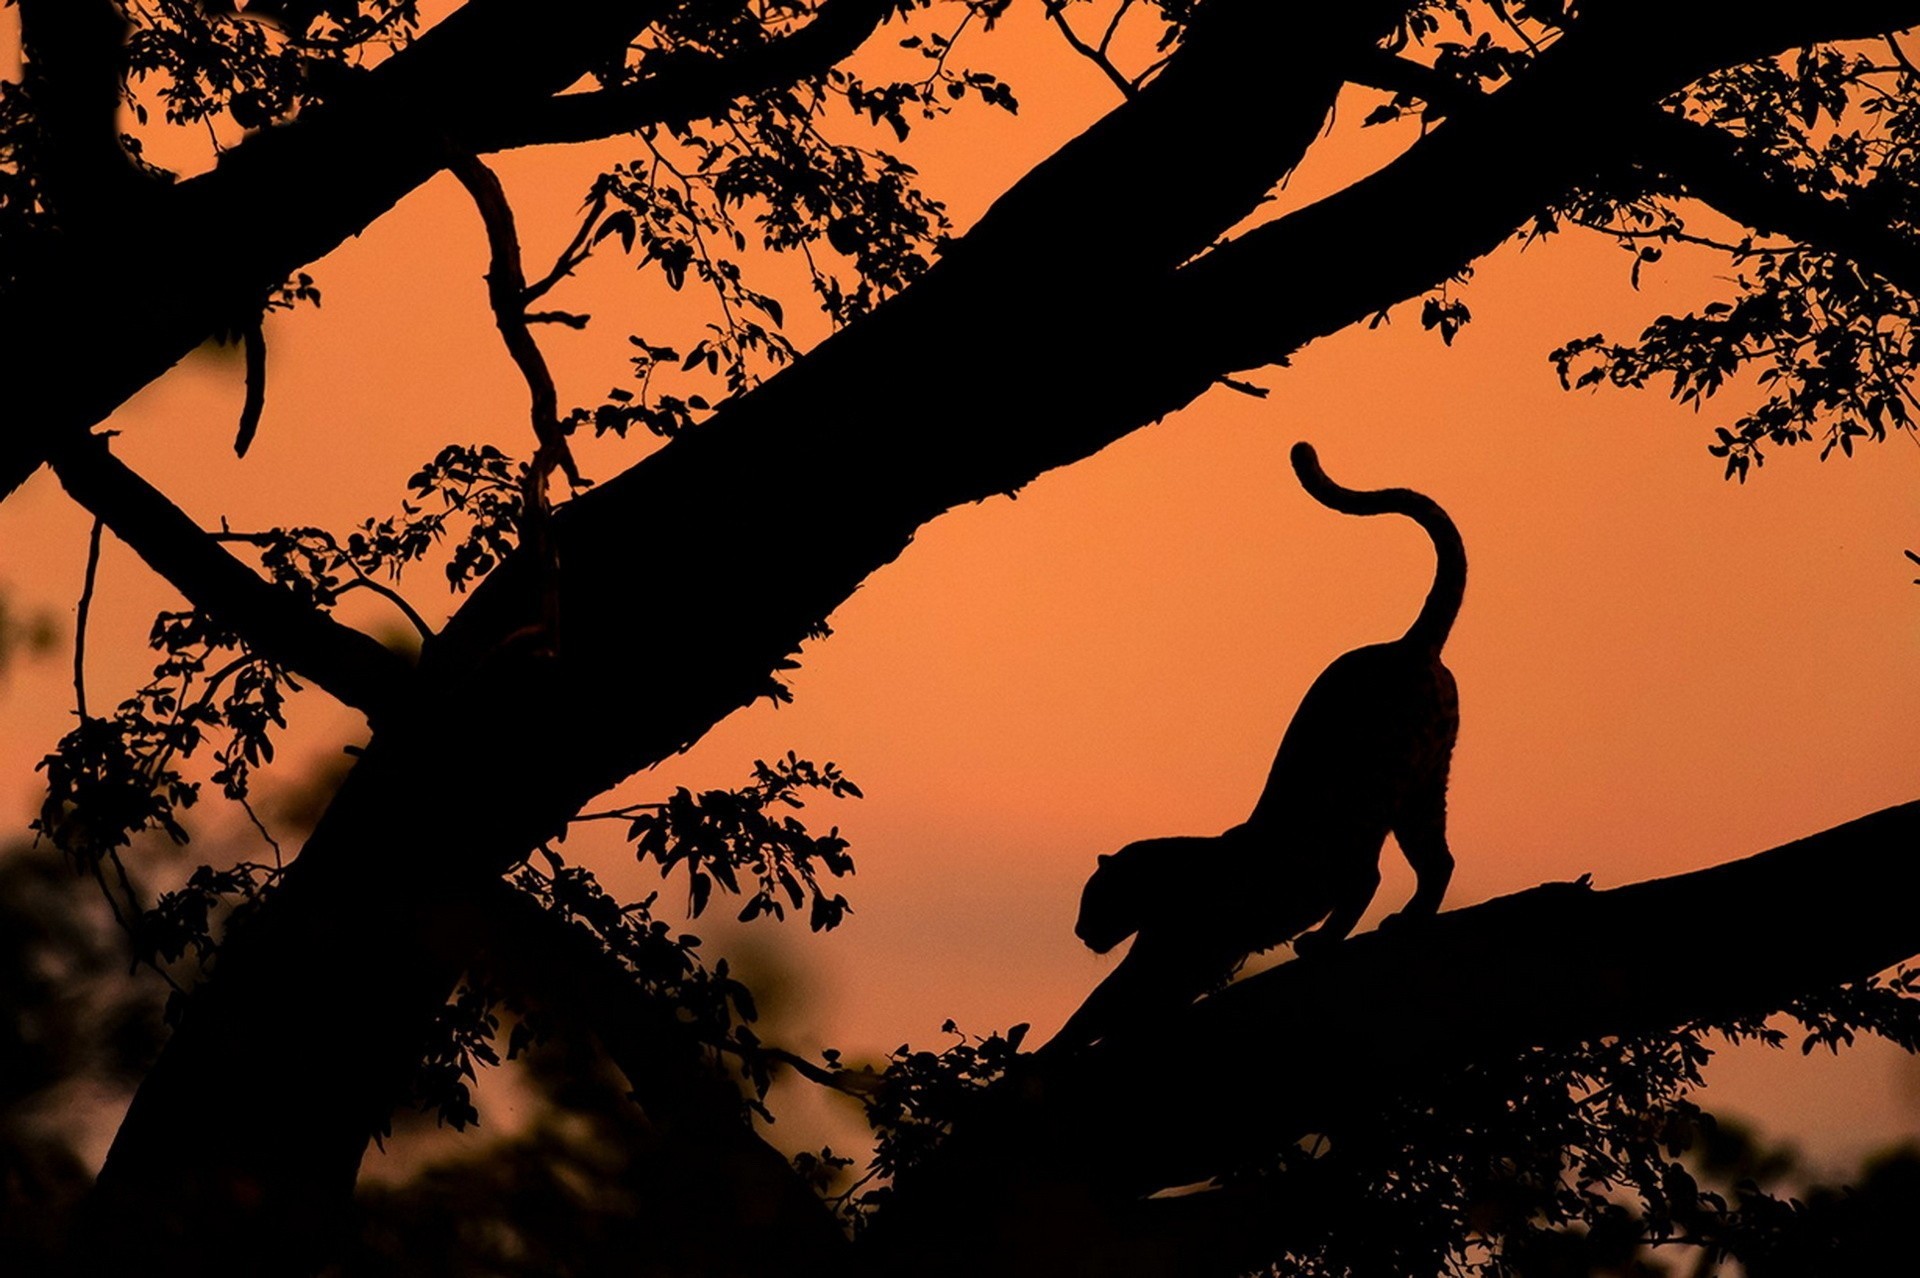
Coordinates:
[1556,965]
[357,669]
[1710,165]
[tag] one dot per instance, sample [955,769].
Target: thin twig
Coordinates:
[1113,26]
[80,619]
[620,814]
[247,806]
[332,543]
[507,291]
[1056,11]
[1900,55]
[578,250]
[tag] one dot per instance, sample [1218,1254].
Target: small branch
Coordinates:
[349,665]
[392,596]
[1096,54]
[507,292]
[694,86]
[1900,56]
[80,620]
[1113,25]
[578,250]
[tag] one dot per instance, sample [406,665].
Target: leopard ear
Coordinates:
[1104,857]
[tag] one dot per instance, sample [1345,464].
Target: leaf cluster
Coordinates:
[24,218]
[920,1097]
[1829,343]
[255,63]
[113,777]
[731,837]
[768,175]
[724,837]
[470,494]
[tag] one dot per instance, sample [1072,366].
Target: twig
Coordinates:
[246,806]
[361,578]
[1056,12]
[1113,26]
[507,292]
[1900,55]
[578,250]
[80,619]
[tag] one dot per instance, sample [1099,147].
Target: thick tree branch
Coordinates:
[1556,965]
[694,86]
[351,666]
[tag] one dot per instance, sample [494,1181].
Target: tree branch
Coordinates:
[684,86]
[351,666]
[1556,965]
[507,295]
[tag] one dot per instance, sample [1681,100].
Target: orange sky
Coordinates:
[1658,670]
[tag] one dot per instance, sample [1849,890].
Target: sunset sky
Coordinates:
[1658,670]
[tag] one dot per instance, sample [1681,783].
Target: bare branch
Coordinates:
[254,338]
[507,295]
[1096,54]
[80,616]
